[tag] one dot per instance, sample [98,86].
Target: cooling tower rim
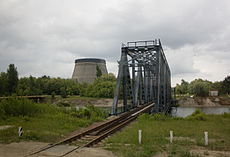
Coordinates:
[92,60]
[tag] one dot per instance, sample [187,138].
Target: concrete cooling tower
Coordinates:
[85,69]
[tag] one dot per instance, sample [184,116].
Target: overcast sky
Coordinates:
[44,37]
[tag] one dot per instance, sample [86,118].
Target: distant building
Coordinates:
[85,69]
[213,93]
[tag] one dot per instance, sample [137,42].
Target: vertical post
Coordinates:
[151,87]
[136,87]
[139,136]
[118,84]
[164,85]
[206,138]
[129,85]
[125,88]
[148,86]
[20,131]
[158,82]
[133,82]
[140,86]
[145,86]
[171,136]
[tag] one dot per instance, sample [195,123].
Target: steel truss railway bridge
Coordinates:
[143,76]
[146,89]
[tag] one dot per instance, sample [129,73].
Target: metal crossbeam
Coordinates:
[150,78]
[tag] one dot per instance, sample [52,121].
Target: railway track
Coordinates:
[94,134]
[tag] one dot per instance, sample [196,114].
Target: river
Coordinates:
[185,111]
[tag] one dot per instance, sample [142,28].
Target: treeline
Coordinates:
[103,87]
[199,87]
[10,84]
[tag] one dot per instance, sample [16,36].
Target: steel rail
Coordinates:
[104,127]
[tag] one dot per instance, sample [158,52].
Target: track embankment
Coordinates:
[93,134]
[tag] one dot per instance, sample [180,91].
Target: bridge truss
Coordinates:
[143,76]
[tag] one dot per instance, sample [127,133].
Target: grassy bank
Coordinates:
[43,122]
[188,134]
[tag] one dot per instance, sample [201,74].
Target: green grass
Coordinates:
[49,124]
[155,135]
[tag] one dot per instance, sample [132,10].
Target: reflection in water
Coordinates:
[186,111]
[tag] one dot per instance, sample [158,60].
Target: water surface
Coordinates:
[186,111]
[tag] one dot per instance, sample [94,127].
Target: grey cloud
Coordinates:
[38,35]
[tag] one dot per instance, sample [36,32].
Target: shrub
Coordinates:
[143,117]
[90,112]
[178,118]
[159,116]
[226,115]
[18,107]
[2,112]
[53,95]
[63,92]
[197,115]
[156,116]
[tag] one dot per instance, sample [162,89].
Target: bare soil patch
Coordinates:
[6,127]
[92,152]
[23,148]
[19,149]
[210,153]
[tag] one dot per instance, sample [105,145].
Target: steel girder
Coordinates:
[150,78]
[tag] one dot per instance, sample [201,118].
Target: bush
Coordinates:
[159,116]
[90,112]
[2,112]
[18,107]
[178,118]
[156,116]
[63,92]
[53,95]
[144,117]
[197,115]
[226,115]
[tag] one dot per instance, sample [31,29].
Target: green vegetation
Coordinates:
[188,134]
[102,87]
[99,72]
[43,122]
[197,115]
[9,80]
[199,87]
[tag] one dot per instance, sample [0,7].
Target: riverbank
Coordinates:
[188,137]
[43,122]
[184,111]
[204,101]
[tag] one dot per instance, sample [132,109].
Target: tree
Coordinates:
[3,84]
[199,87]
[12,76]
[102,87]
[226,85]
[99,73]
[182,88]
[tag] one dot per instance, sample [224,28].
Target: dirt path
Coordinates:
[23,148]
[6,127]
